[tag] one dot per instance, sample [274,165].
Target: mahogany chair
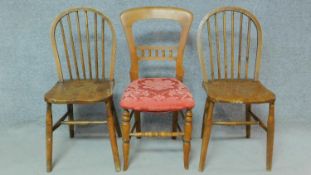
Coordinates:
[156,94]
[83,78]
[229,79]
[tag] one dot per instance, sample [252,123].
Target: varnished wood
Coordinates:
[225,44]
[56,46]
[126,138]
[116,121]
[75,89]
[156,52]
[235,123]
[232,45]
[187,138]
[84,122]
[261,124]
[131,16]
[248,47]
[59,121]
[96,46]
[207,20]
[66,49]
[73,47]
[210,43]
[88,44]
[80,44]
[112,135]
[236,89]
[103,46]
[49,137]
[248,118]
[137,122]
[217,47]
[79,91]
[270,136]
[206,134]
[240,46]
[203,117]
[157,134]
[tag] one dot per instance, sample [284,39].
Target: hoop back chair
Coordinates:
[229,79]
[86,81]
[156,94]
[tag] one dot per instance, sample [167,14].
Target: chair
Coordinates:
[86,80]
[230,80]
[156,94]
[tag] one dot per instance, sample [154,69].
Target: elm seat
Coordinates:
[157,95]
[79,91]
[238,91]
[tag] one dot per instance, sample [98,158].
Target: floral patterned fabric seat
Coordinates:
[157,95]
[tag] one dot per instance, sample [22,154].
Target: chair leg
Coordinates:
[270,137]
[174,123]
[203,117]
[126,138]
[137,121]
[49,137]
[187,138]
[70,118]
[206,134]
[112,136]
[248,118]
[115,117]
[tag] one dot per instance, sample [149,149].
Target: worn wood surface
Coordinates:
[151,52]
[86,87]
[239,87]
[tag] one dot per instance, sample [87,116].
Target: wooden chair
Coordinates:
[156,94]
[230,81]
[87,81]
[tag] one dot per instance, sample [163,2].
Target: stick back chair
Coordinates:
[229,79]
[86,81]
[156,94]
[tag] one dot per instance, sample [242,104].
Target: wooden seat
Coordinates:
[81,91]
[238,91]
[83,77]
[160,94]
[233,55]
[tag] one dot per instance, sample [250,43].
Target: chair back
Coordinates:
[233,51]
[83,47]
[152,52]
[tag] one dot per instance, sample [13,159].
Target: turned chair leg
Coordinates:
[112,136]
[248,118]
[187,138]
[126,138]
[115,117]
[70,118]
[137,121]
[203,117]
[270,137]
[49,137]
[206,134]
[174,123]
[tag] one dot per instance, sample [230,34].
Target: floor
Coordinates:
[22,150]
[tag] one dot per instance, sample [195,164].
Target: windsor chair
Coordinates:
[87,80]
[227,82]
[156,94]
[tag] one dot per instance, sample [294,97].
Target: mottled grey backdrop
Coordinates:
[27,66]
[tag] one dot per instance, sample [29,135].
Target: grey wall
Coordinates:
[28,70]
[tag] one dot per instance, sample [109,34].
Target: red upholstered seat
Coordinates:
[156,95]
